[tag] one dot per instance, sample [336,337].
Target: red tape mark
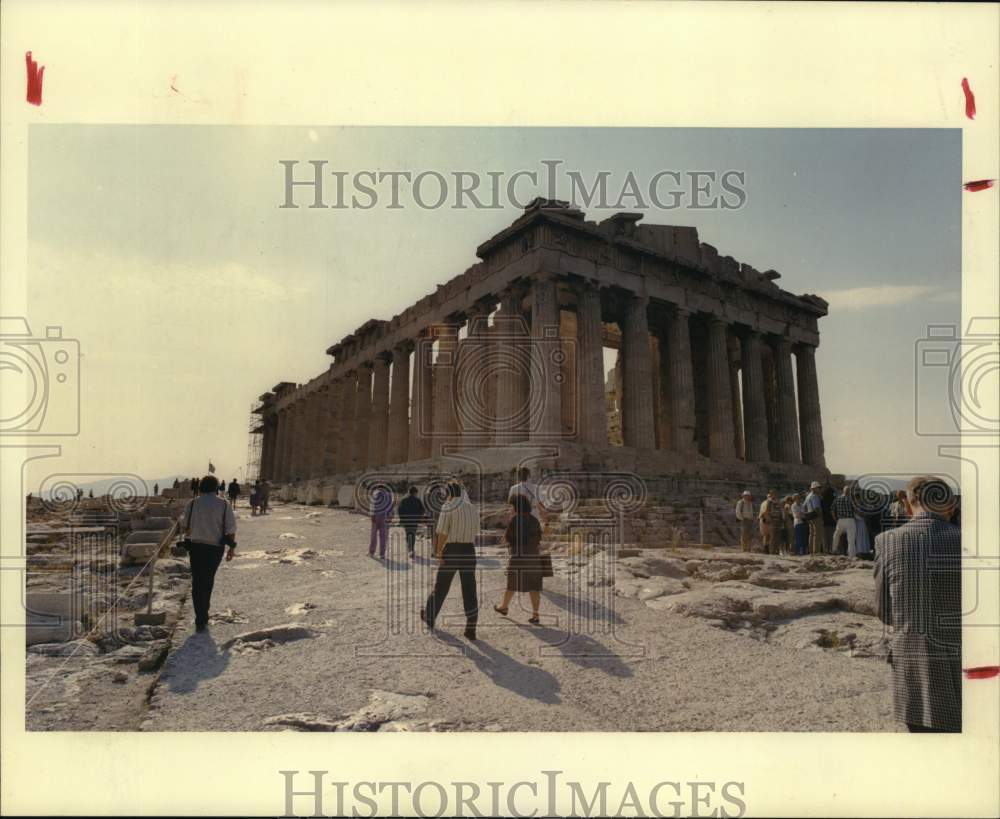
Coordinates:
[35,74]
[983,672]
[970,99]
[979,185]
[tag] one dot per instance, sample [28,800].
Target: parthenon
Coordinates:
[715,375]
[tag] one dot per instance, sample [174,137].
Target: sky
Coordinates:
[165,252]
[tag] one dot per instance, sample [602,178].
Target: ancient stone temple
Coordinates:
[714,368]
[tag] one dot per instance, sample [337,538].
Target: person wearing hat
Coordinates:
[746,516]
[813,514]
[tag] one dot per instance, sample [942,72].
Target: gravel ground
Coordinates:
[309,633]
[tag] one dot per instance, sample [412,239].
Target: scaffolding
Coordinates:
[255,429]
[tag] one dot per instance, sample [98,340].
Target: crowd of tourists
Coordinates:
[821,520]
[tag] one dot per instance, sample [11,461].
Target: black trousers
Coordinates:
[205,562]
[461,558]
[411,537]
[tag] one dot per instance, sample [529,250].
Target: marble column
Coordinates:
[770,399]
[332,432]
[314,438]
[681,381]
[280,446]
[591,413]
[348,401]
[568,402]
[445,416]
[735,354]
[514,351]
[362,415]
[266,445]
[399,406]
[469,377]
[809,412]
[422,412]
[545,423]
[754,407]
[788,421]
[378,426]
[295,441]
[721,440]
[637,380]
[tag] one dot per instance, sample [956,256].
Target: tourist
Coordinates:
[813,514]
[195,487]
[826,497]
[382,502]
[265,496]
[897,509]
[234,491]
[524,570]
[208,525]
[771,524]
[411,513]
[529,489]
[745,515]
[801,526]
[843,513]
[222,488]
[454,546]
[918,592]
[254,498]
[862,538]
[789,525]
[156,489]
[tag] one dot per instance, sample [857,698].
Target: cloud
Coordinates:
[888,295]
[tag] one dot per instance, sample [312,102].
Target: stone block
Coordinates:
[158,523]
[53,617]
[144,537]
[345,496]
[141,551]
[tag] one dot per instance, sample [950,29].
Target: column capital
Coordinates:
[404,347]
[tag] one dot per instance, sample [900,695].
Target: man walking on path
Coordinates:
[918,594]
[411,513]
[381,511]
[209,524]
[234,492]
[454,546]
[745,515]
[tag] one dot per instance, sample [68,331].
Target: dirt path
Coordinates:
[354,655]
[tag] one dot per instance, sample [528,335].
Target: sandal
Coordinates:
[499,610]
[534,621]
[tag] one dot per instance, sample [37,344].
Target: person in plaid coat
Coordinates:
[918,594]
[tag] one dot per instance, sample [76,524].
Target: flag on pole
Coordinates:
[211,467]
